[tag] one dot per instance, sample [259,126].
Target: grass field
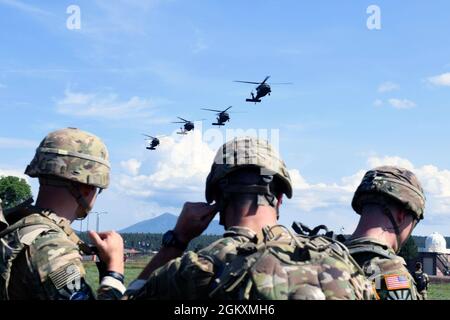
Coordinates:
[132,270]
[439,291]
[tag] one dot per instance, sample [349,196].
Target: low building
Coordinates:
[435,257]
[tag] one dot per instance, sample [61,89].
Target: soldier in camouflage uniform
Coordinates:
[39,252]
[391,202]
[422,281]
[256,258]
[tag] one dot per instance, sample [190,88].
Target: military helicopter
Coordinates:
[222,116]
[262,89]
[188,125]
[154,142]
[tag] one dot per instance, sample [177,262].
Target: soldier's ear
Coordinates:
[404,218]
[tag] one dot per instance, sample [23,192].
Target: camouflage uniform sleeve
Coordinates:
[188,277]
[56,262]
[392,280]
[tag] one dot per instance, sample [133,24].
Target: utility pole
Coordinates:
[98,219]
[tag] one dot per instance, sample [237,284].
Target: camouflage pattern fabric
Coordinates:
[390,278]
[246,152]
[398,184]
[38,261]
[237,267]
[74,155]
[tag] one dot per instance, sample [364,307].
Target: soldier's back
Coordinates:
[288,267]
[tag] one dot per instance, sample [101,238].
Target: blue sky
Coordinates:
[360,97]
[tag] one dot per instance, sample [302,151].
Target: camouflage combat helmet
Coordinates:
[395,183]
[246,152]
[72,154]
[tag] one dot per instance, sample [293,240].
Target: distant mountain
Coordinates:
[165,222]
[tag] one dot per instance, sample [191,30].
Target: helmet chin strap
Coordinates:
[389,214]
[83,206]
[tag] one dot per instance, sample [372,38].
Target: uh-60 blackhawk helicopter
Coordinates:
[222,116]
[263,89]
[188,125]
[153,142]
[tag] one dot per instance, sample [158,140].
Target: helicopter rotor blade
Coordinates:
[277,83]
[183,119]
[182,122]
[251,82]
[211,110]
[264,81]
[227,109]
[148,136]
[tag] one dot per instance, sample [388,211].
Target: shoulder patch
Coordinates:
[397,282]
[67,276]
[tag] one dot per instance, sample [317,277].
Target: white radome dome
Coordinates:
[435,242]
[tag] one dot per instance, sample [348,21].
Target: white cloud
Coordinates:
[378,103]
[388,87]
[105,106]
[131,166]
[13,172]
[13,143]
[442,80]
[402,103]
[389,161]
[311,196]
[179,173]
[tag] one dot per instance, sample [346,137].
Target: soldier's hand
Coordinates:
[110,249]
[193,220]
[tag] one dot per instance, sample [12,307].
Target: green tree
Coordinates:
[13,191]
[409,250]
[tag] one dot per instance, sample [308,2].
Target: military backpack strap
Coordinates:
[373,249]
[65,226]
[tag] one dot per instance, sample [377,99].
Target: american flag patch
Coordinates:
[396,281]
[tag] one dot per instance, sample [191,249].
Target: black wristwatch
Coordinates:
[170,239]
